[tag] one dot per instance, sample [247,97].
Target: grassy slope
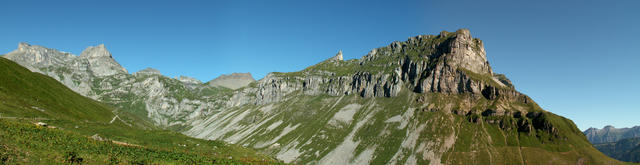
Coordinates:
[27,97]
[487,140]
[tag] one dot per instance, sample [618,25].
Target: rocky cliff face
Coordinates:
[38,56]
[611,134]
[453,63]
[98,60]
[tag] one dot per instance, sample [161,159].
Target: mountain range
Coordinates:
[432,99]
[619,143]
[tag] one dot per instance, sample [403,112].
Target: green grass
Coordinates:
[26,143]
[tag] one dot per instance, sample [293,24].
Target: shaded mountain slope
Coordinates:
[624,150]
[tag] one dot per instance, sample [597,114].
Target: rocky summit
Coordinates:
[432,99]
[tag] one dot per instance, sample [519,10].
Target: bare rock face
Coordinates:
[466,52]
[99,61]
[232,81]
[28,55]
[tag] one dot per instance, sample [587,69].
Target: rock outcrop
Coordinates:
[338,56]
[98,60]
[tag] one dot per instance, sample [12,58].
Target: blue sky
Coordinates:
[578,59]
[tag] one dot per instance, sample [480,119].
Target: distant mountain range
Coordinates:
[432,99]
[619,143]
[611,134]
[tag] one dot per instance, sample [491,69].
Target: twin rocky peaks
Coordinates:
[100,61]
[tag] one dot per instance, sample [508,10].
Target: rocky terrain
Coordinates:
[432,99]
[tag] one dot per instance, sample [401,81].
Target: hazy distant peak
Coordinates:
[232,81]
[149,71]
[189,80]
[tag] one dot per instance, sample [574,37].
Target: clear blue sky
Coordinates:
[578,59]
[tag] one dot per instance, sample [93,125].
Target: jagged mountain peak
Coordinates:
[468,52]
[96,51]
[100,61]
[38,56]
[454,49]
[23,45]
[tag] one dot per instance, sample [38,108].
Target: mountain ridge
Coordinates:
[611,134]
[429,100]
